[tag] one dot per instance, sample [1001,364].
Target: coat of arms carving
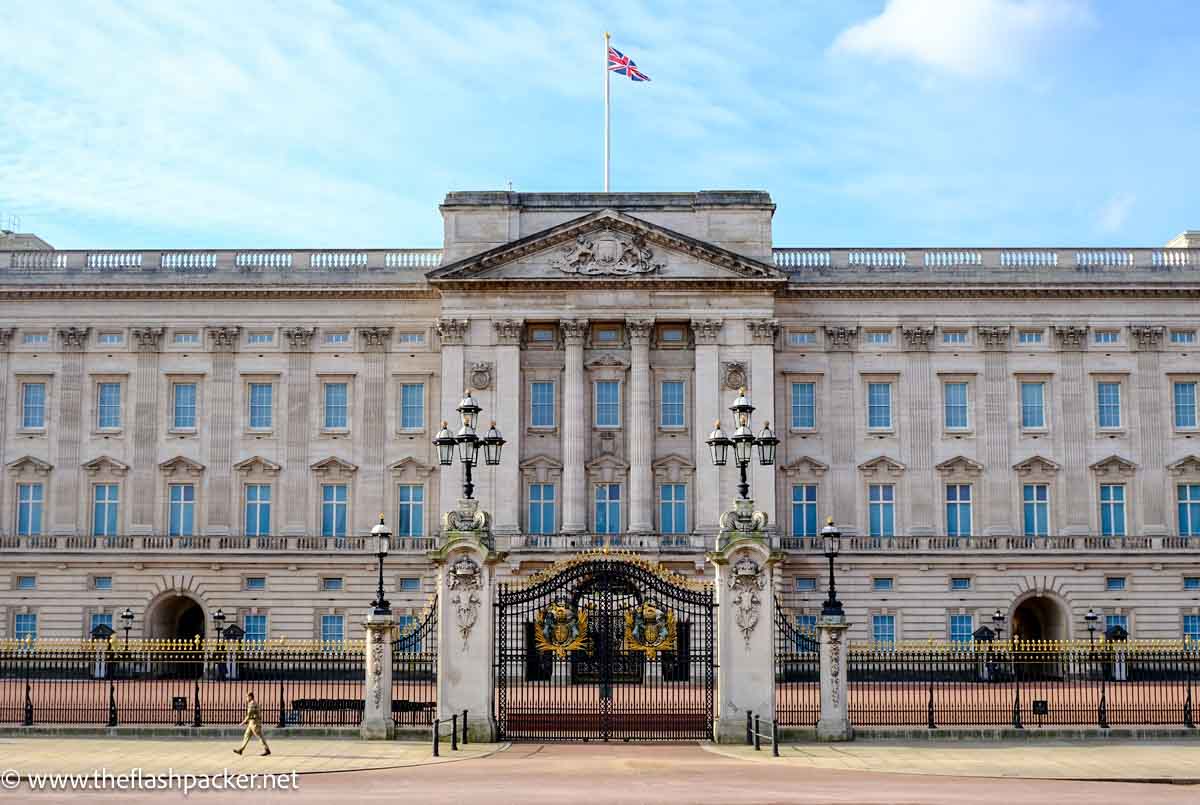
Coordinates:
[561,628]
[607,254]
[464,582]
[745,581]
[649,629]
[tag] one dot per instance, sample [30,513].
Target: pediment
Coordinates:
[541,461]
[333,464]
[1036,465]
[410,464]
[181,464]
[611,246]
[257,463]
[960,464]
[805,465]
[881,464]
[31,463]
[607,461]
[1113,465]
[106,464]
[673,468]
[1188,465]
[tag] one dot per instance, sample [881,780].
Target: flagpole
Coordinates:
[607,127]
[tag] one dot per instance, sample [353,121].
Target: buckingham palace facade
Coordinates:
[1011,429]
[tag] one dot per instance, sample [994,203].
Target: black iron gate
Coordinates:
[605,647]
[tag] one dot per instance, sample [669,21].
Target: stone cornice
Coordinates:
[257,291]
[878,291]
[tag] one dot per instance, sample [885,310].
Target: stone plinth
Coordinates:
[834,724]
[377,722]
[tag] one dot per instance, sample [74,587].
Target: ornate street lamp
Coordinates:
[998,623]
[743,442]
[468,442]
[1091,617]
[383,539]
[127,624]
[219,622]
[831,545]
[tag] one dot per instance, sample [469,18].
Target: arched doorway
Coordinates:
[175,617]
[1039,617]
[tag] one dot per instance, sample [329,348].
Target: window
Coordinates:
[406,623]
[804,510]
[806,584]
[960,583]
[36,338]
[1029,337]
[410,584]
[962,628]
[102,583]
[879,405]
[411,338]
[883,628]
[672,404]
[806,624]
[882,584]
[1106,337]
[1114,584]
[108,408]
[25,626]
[412,406]
[26,582]
[1035,503]
[1188,496]
[182,519]
[332,584]
[184,339]
[954,398]
[541,509]
[1191,628]
[29,509]
[260,405]
[879,337]
[1183,336]
[802,338]
[333,627]
[104,510]
[110,339]
[333,510]
[100,619]
[258,510]
[1185,405]
[337,338]
[33,405]
[184,406]
[256,582]
[542,335]
[804,411]
[608,404]
[608,508]
[607,335]
[954,336]
[336,399]
[1112,510]
[881,504]
[1191,582]
[541,404]
[1033,405]
[412,510]
[1112,621]
[958,510]
[672,509]
[260,338]
[1108,404]
[255,627]
[671,335]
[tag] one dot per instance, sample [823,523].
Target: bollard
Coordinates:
[436,725]
[749,728]
[454,733]
[757,736]
[775,737]
[464,728]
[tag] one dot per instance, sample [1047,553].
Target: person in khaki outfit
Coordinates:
[253,723]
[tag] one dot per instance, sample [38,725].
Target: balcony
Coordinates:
[211,544]
[576,543]
[994,544]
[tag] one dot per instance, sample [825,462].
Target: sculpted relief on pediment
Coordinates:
[606,254]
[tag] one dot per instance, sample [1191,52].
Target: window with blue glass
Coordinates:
[883,584]
[25,626]
[258,510]
[1035,503]
[879,405]
[958,510]
[806,584]
[804,406]
[108,408]
[26,582]
[105,507]
[806,624]
[1183,336]
[412,406]
[1185,405]
[1191,582]
[255,627]
[333,584]
[671,415]
[183,405]
[33,405]
[804,510]
[1111,621]
[1188,496]
[256,583]
[181,521]
[1112,510]
[541,404]
[883,628]
[260,405]
[337,398]
[30,498]
[1106,337]
[1033,405]
[1108,404]
[608,404]
[1191,628]
[954,399]
[881,510]
[608,508]
[102,582]
[333,510]
[962,627]
[960,583]
[541,509]
[672,508]
[100,619]
[333,628]
[410,584]
[411,522]
[1114,583]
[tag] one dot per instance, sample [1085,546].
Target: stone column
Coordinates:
[143,492]
[641,429]
[834,724]
[840,342]
[1150,433]
[370,491]
[299,425]
[65,503]
[575,427]
[1076,396]
[993,428]
[707,409]
[377,724]
[745,633]
[764,334]
[222,420]
[6,334]
[509,395]
[453,335]
[920,430]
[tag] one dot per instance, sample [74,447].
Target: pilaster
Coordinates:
[1150,434]
[144,492]
[840,341]
[1075,398]
[6,334]
[509,396]
[223,418]
[641,428]
[453,335]
[299,423]
[764,337]
[377,724]
[834,724]
[575,428]
[707,408]
[920,431]
[65,516]
[370,491]
[994,431]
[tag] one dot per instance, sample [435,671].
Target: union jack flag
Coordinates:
[621,64]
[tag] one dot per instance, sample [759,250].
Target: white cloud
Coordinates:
[971,38]
[1115,212]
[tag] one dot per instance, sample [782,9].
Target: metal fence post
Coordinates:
[464,728]
[28,721]
[196,709]
[436,726]
[757,739]
[112,703]
[749,728]
[282,705]
[775,737]
[454,732]
[1188,720]
[1016,669]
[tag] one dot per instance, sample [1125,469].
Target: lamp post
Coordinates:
[998,623]
[127,624]
[468,443]
[743,442]
[831,544]
[383,538]
[219,622]
[1091,617]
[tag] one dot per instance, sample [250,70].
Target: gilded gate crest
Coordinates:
[561,628]
[649,629]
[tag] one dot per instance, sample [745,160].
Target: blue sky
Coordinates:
[871,122]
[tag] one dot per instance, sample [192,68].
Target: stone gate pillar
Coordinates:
[745,622]
[465,566]
[377,722]
[834,724]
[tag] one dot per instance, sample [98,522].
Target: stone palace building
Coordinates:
[1010,429]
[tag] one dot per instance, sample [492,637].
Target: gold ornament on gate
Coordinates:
[649,629]
[560,628]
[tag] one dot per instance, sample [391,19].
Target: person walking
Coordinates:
[253,724]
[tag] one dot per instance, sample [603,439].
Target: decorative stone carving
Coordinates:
[917,337]
[106,464]
[734,375]
[763,331]
[1071,336]
[299,338]
[1188,465]
[746,580]
[993,337]
[6,334]
[1146,335]
[148,339]
[607,361]
[180,465]
[463,579]
[841,337]
[509,331]
[333,466]
[224,339]
[881,464]
[73,338]
[259,463]
[835,665]
[574,330]
[639,330]
[1114,465]
[960,465]
[803,467]
[466,517]
[375,338]
[453,331]
[609,254]
[481,375]
[35,465]
[1036,466]
[743,518]
[706,331]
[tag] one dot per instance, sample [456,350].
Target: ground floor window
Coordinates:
[962,627]
[25,626]
[255,627]
[333,628]
[883,629]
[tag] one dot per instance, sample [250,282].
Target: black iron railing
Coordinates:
[797,673]
[414,671]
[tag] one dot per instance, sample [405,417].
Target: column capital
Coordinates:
[763,331]
[224,339]
[1071,336]
[1147,336]
[841,336]
[639,330]
[6,334]
[917,337]
[299,338]
[508,331]
[453,332]
[375,339]
[994,338]
[148,339]
[73,339]
[574,330]
[706,331]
